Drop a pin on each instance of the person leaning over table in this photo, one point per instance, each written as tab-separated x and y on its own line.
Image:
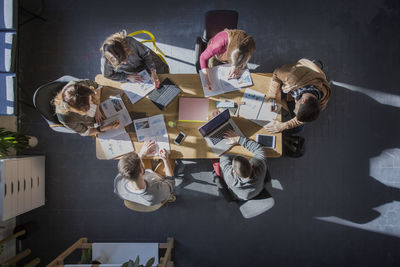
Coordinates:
307	85
228	46
123	57
243	177
77	108
137	184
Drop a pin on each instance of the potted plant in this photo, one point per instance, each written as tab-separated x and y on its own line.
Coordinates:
130	263
18	141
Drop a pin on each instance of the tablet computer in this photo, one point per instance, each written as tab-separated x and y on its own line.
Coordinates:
266	140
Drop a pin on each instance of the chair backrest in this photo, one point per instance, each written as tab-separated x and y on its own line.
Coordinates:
142	208
218	20
45	94
153	41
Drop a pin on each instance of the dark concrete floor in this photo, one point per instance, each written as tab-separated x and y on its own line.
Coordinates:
359	43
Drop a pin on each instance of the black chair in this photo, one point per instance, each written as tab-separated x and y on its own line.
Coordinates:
215	21
42	102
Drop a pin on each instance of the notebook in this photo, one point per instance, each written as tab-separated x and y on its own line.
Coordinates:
165	94
193	109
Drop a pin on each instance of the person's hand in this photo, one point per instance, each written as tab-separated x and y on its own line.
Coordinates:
99	117
231	137
164	154
134	78
148	148
215	112
233	73
154	78
114	124
205	72
274	127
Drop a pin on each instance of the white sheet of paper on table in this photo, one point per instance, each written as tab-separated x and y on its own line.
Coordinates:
137	90
253	101
153	128
116	146
218	76
115	106
114	131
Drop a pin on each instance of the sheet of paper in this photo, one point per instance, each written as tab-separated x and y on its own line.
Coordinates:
117	146
137	90
220	83
266	114
253	101
115	106
114	131
153	128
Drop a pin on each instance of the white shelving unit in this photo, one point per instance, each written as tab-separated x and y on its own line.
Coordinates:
22	185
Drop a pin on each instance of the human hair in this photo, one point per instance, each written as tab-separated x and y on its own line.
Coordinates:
74	96
242	166
240	48
116	49
309	111
129	166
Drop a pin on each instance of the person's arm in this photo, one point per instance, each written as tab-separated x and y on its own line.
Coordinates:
225	163
108	71
253	147
275	86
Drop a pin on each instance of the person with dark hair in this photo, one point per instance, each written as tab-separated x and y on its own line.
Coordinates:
228	46
123	57
307	90
243	177
77	107
139	184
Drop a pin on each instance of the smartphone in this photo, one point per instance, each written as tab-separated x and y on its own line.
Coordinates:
266	140
178	140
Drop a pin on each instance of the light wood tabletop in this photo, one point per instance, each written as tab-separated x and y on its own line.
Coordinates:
194	146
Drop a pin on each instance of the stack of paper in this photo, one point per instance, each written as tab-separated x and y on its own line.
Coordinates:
153	129
137	90
221	84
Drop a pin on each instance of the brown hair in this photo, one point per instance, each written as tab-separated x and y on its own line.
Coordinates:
116	49
74	96
309	111
242	166
129	166
240	48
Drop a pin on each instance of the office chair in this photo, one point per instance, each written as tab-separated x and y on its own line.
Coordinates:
153	41
42	102
215	21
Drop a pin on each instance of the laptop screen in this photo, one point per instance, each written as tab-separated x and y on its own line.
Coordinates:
214	123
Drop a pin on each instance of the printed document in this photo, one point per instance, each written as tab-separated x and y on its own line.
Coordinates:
221	84
137	90
153	129
114	106
117	146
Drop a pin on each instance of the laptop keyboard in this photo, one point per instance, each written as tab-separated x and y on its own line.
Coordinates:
166	94
218	136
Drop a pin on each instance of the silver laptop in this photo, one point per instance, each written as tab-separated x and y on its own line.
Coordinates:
214	131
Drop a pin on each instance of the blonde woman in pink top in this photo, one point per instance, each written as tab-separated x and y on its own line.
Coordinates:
229	46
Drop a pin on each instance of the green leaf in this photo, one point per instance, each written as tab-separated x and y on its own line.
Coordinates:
131	263
137	262
125	264
150	262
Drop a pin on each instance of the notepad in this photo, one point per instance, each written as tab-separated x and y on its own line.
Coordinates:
192	109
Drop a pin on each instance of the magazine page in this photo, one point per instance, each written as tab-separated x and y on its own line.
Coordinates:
117	146
115	106
114	131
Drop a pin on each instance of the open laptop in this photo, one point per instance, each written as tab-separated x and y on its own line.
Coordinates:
165	94
214	131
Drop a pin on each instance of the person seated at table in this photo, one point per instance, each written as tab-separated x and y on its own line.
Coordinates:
123	57
77	107
305	84
139	184
228	46
243	177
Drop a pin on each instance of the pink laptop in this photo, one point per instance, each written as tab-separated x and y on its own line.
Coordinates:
193	109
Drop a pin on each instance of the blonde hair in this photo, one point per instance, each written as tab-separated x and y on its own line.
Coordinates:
116	49
240	48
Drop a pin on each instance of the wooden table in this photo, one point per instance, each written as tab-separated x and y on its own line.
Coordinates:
194	145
